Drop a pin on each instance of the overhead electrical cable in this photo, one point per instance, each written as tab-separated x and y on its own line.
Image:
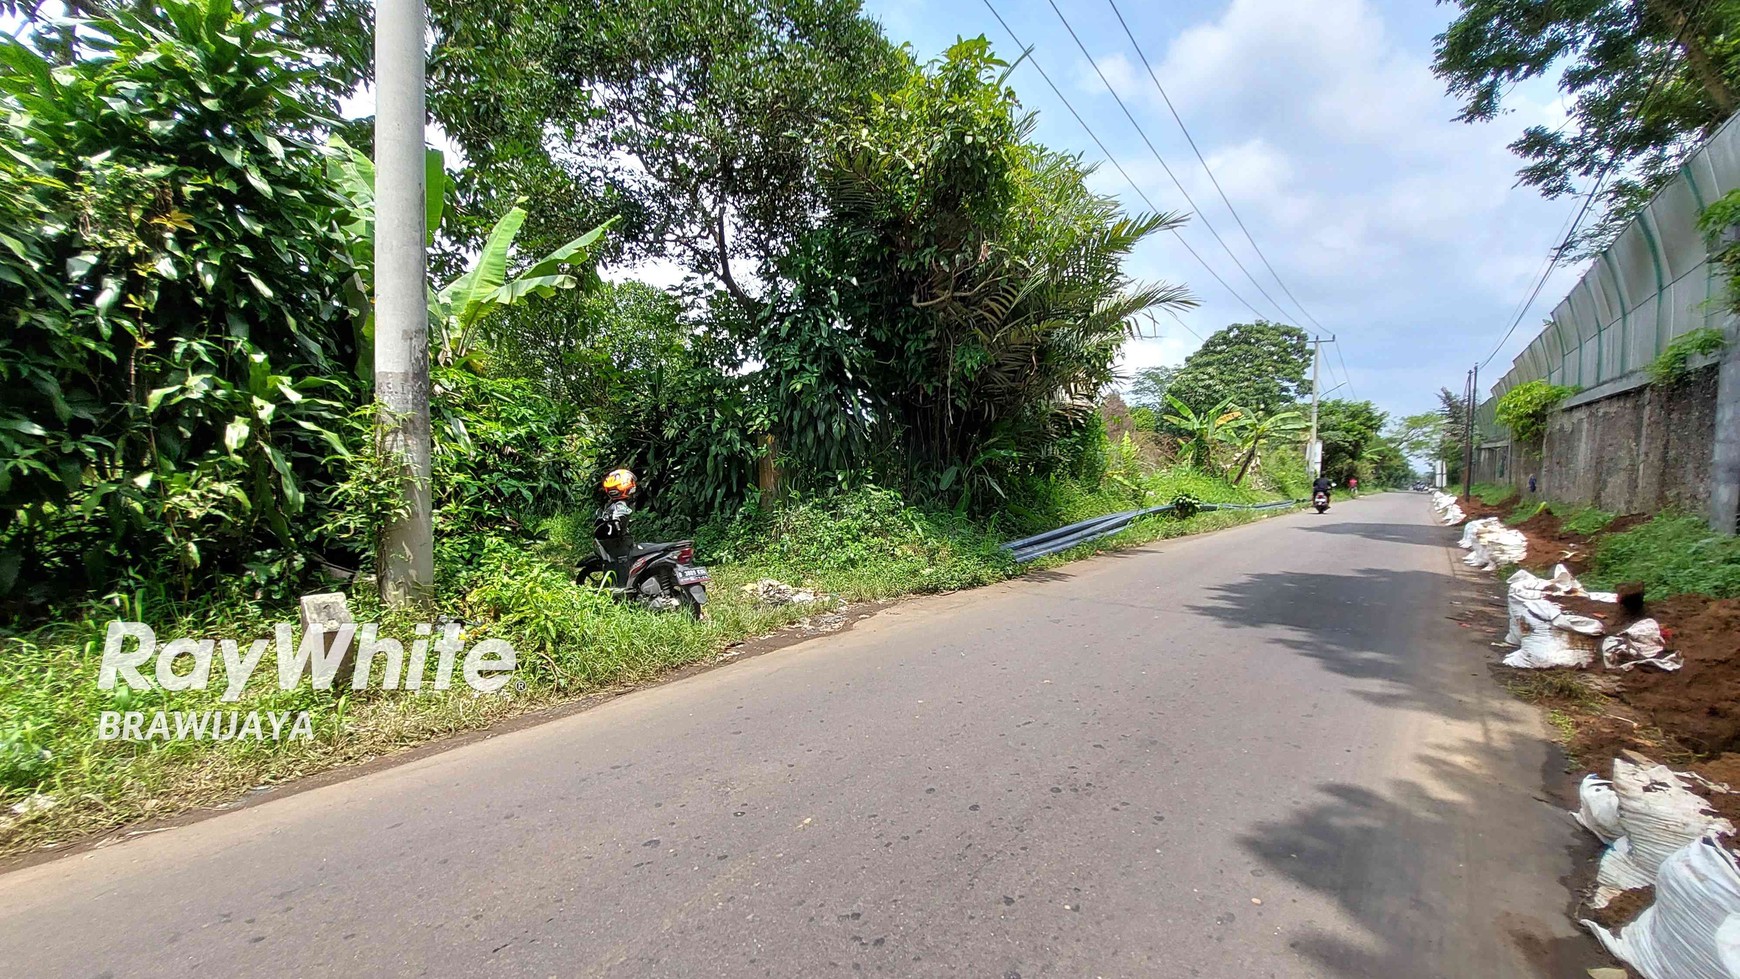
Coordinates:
1155	78
1114	161
1162	160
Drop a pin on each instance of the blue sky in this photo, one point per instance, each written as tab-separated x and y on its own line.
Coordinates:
1397	228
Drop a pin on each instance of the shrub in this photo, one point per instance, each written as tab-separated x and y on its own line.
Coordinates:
1523	409
1672	366
178	352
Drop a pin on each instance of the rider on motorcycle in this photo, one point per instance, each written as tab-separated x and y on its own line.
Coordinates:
1322	485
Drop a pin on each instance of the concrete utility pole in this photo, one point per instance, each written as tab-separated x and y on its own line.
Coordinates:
407	546
1312	449
1468	433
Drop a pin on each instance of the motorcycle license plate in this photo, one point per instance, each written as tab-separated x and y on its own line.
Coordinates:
692	575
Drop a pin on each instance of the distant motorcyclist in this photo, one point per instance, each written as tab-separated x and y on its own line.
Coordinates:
1322	485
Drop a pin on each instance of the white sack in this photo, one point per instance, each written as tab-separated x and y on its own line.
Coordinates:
1452	516
1659	814
1473	527
1696	891
1618	872
1728	944
1598	808
1491	544
1525	587
1549	637
1639	644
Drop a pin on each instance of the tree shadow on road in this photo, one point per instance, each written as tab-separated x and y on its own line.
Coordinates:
1456	870
1368	624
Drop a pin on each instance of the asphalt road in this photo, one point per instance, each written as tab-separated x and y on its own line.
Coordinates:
1262	752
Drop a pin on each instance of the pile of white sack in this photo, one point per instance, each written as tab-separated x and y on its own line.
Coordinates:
1490	544
1547	636
1449	511
1660	833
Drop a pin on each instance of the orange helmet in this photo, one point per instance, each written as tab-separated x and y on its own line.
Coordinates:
619	485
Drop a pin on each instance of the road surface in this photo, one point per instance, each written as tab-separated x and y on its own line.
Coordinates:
1262	752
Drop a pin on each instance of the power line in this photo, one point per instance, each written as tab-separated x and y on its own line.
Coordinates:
1206	168
1114	162
1345	376
1186	326
1162	160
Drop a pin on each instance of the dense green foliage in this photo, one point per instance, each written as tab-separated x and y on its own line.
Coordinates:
1260	367
1524	408
965	299
178	355
1453	408
1352	437
698	122
1646	82
1202	433
1673	366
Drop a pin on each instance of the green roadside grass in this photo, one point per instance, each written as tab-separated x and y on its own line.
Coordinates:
1585	520
60	783
1492	494
1673	553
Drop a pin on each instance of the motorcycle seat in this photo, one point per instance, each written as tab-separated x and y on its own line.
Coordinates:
641	550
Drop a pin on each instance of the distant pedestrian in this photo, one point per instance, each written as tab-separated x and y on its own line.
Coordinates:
1531	484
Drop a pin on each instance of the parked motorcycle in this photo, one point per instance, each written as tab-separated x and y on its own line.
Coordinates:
662	576
1320	500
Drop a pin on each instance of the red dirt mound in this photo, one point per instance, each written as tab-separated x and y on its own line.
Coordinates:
1475	509
1699	705
1624	908
1550	543
1723	770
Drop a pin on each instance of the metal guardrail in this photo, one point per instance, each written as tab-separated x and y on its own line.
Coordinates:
1063	538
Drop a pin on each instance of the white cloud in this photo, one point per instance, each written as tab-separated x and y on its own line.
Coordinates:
1118	72
1398	228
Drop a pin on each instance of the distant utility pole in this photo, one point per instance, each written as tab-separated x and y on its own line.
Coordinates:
1468	432
1312	449
407	547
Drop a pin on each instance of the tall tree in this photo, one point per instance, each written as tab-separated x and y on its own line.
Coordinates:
1349	431
1148	388
966	277
1647	81
1453	409
1262	367
696	120
1419	435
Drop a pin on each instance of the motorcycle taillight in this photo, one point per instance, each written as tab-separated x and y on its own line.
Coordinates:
686	556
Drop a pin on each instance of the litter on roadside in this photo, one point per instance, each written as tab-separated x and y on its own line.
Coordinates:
771	591
1639	645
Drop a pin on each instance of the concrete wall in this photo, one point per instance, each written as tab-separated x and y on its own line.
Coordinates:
1638	448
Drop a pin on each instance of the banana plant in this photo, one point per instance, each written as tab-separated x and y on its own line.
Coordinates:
460	308
354	173
1254	430
1202	431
